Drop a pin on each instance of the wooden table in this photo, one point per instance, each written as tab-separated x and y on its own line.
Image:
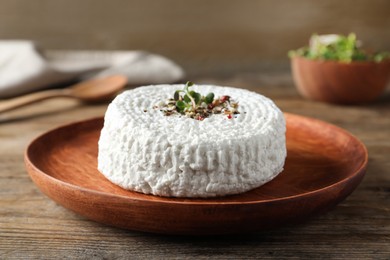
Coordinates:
33	226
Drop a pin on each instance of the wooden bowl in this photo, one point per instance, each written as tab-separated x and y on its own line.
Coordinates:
324	165
341	83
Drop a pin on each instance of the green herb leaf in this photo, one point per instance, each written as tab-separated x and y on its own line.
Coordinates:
381	56
187	86
197	97
180	106
209	98
176	96
187	99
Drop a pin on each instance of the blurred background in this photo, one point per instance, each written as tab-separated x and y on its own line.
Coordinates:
212	35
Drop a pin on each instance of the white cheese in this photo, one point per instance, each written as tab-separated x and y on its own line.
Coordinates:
143	150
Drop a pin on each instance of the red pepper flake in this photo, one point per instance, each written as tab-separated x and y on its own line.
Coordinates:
230	116
224	98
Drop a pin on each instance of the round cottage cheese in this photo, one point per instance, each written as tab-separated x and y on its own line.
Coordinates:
143	150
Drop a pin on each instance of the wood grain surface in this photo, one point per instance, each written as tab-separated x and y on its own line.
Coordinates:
33	226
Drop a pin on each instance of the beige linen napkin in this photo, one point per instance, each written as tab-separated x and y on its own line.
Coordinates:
25	68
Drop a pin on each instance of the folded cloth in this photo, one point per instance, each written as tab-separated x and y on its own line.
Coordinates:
25	68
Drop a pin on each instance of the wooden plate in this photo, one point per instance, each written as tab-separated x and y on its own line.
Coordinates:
324	165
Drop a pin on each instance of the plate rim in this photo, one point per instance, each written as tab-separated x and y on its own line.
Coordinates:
360	172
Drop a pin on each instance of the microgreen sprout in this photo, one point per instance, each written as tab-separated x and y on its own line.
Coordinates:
192	104
191	99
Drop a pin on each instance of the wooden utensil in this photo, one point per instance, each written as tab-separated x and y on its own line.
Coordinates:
90	91
324	165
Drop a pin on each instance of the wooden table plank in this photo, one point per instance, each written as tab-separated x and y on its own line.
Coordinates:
32	226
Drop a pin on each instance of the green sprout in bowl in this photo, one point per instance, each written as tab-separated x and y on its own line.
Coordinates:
337	48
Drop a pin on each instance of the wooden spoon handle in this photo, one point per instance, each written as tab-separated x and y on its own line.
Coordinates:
17	102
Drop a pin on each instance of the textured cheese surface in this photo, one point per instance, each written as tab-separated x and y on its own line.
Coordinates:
143	150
